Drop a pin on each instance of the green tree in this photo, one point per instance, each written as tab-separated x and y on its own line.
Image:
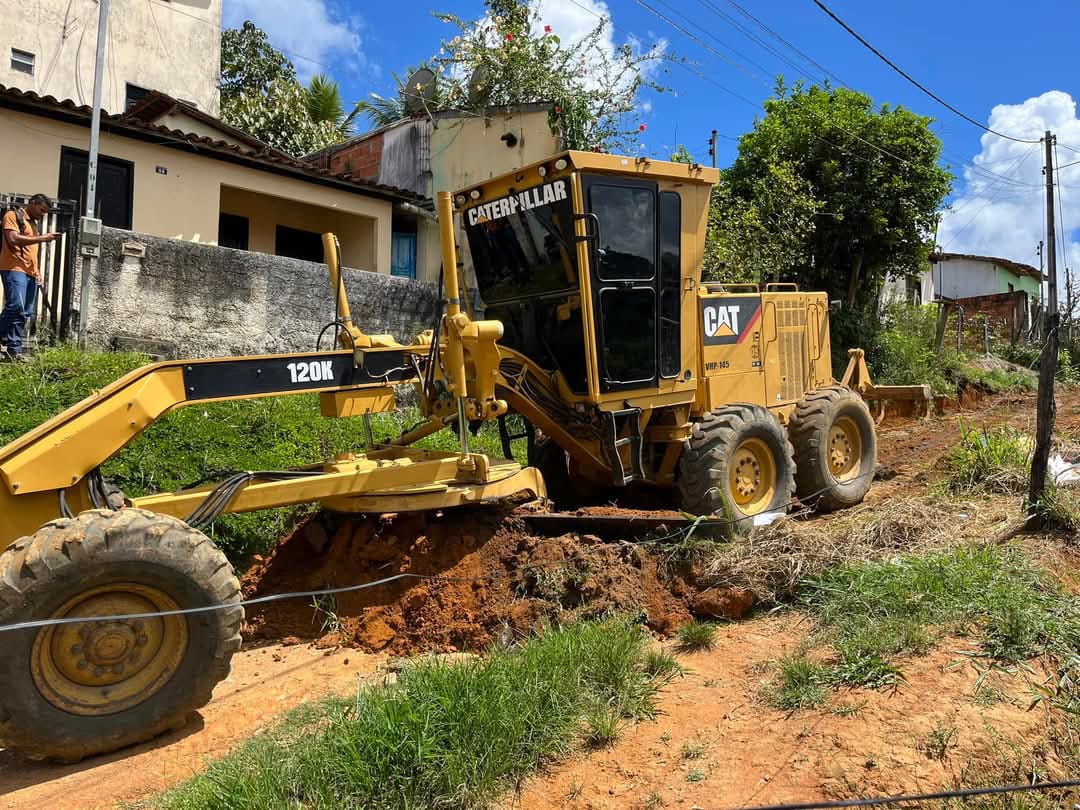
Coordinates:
874	174
763	236
261	95
280	117
249	63
509	57
325	105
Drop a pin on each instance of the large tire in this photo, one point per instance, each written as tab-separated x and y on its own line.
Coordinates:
737	463
835	448
78	689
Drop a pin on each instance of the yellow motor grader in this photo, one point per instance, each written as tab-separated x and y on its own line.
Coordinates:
118	616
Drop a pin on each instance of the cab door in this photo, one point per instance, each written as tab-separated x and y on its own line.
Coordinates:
624	274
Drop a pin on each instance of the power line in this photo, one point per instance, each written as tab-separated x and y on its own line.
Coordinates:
907	76
775	35
826	73
1016	165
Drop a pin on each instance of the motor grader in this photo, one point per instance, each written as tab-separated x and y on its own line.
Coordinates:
118	616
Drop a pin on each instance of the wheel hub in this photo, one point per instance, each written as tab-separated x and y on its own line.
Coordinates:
752	476
106	666
844	449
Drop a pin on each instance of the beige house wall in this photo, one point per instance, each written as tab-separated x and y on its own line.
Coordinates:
154	44
357	234
183	203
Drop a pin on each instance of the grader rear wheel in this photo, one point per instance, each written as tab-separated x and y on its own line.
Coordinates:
77	688
737	464
835	448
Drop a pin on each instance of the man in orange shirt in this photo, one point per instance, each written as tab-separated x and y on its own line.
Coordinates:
19	272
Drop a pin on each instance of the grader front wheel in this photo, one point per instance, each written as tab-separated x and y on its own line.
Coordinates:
77	688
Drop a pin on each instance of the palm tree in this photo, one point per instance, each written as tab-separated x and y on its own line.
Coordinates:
325	105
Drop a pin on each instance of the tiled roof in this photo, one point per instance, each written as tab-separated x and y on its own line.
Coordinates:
253	152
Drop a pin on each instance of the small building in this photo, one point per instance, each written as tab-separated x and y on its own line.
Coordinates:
169	169
445	151
952	276
49	48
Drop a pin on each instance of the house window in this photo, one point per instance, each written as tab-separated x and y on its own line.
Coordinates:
298	244
23	61
233	231
1012	288
133	95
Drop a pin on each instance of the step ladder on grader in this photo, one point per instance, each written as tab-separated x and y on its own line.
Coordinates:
598	331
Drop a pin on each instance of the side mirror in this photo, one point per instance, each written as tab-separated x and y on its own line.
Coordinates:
835	305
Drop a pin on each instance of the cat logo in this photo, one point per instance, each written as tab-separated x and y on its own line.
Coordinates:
729	319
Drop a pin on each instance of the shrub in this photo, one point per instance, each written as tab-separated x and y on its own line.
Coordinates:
991	460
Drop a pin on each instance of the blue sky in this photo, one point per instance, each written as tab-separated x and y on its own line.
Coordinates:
993	60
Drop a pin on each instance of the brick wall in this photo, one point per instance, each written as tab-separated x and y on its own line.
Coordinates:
1007	314
361	159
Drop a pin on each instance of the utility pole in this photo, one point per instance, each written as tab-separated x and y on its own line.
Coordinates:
90	225
1048	361
712	148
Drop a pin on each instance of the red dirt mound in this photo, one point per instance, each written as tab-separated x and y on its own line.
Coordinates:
492	579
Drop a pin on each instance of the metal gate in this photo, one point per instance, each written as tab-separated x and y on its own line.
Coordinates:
52	320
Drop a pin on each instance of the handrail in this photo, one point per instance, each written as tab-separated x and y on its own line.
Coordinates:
735	286
776	286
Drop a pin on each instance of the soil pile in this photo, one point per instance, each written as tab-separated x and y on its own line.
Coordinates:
492	580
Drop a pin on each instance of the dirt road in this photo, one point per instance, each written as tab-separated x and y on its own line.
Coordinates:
748	753
265	682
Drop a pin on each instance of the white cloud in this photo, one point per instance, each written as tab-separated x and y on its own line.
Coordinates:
1007	218
573	21
311	35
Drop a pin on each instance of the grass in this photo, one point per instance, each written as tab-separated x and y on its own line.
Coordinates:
993	460
201	441
800	684
939	741
444	734
870	614
695	635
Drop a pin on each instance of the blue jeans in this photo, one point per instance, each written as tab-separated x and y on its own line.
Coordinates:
20	297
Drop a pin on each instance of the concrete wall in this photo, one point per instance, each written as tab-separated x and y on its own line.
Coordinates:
154	44
186	299
183	203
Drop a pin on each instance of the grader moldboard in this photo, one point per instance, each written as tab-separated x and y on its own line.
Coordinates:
598	332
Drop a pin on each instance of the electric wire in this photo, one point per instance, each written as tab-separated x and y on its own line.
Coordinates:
907	76
1016	165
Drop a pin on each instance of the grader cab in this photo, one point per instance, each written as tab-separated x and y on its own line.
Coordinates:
118	615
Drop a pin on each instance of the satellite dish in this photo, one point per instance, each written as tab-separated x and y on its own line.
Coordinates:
419	91
477	84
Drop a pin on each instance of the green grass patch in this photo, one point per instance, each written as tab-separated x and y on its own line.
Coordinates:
695	635
800	684
870	614
994	460
201	442
444	734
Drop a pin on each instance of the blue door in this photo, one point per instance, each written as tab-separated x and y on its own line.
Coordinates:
403	255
